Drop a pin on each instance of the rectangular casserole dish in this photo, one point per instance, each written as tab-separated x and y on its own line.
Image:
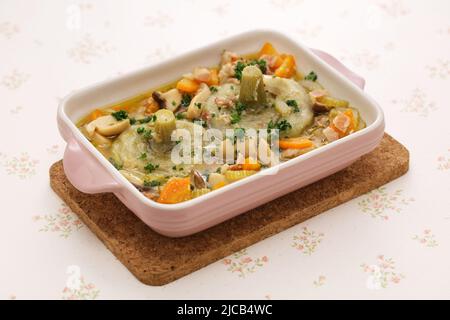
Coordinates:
90	172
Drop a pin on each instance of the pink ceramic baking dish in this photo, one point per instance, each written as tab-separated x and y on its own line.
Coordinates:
90	172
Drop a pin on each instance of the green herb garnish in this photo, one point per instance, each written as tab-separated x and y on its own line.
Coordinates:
140	130
120	115
143	156
293	104
213	89
150	167
186	100
147	119
311	76
261	64
282	125
235	117
180	115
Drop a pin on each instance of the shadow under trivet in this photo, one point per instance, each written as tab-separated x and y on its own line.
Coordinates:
158	260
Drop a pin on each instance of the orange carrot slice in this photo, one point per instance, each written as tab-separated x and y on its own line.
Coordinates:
176	190
287	68
187	85
251	164
268	49
295	143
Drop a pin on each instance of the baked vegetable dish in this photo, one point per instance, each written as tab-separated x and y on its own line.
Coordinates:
146	136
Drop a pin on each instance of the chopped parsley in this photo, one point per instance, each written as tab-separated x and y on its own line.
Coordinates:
180	115
143	156
174	103
240	107
186	100
146	133
293	104
150	167
140	130
282	125
120	115
152	183
311	76
261	64
132	121
235	117
148	119
213	89
198	105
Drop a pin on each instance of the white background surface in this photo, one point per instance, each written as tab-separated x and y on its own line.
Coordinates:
402	48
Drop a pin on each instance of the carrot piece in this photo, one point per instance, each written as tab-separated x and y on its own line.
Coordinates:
187	85
251	164
219	185
287	68
176	190
214	78
268	49
97	113
295	143
349	113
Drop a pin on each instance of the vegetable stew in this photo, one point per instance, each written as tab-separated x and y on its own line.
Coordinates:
245	93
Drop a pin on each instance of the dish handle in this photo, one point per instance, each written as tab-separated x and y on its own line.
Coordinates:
341	68
84	172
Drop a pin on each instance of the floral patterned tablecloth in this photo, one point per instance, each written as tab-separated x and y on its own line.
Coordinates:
391	243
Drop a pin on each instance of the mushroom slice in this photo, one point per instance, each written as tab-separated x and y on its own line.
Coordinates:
197	179
100	140
109	126
170	100
195	108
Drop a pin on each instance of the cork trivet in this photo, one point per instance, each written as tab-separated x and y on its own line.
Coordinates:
156	260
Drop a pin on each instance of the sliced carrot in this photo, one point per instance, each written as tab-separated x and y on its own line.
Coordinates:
251	164
295	143
214	78
176	190
353	124
268	49
97	113
287	68
219	185
187	85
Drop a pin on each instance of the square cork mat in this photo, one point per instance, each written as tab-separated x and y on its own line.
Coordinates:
157	260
